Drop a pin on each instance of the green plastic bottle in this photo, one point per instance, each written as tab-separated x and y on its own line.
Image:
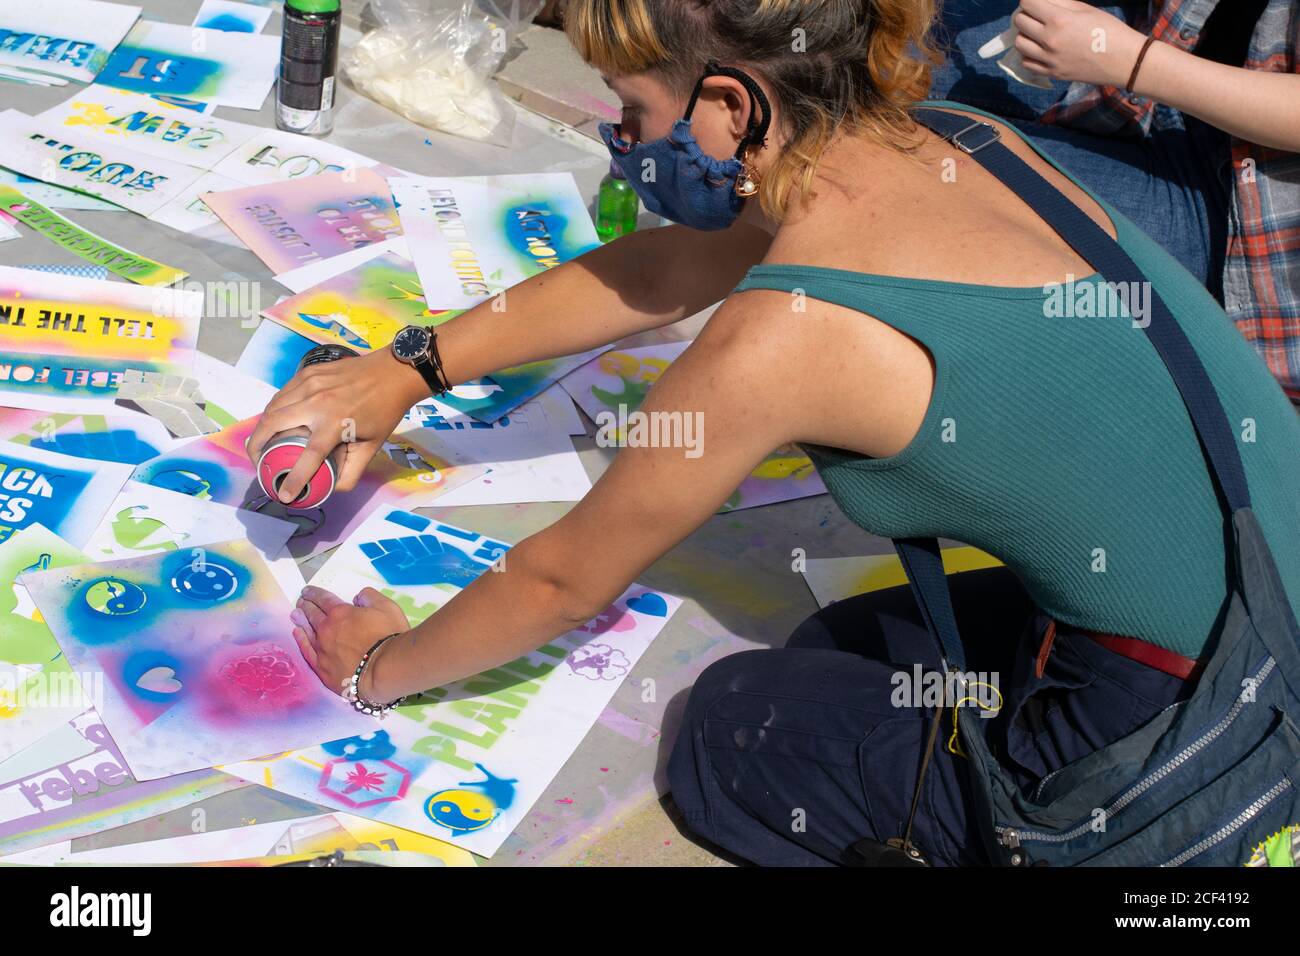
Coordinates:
616	206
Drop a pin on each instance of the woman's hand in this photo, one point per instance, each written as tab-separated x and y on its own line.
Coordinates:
356	402
333	635
1068	40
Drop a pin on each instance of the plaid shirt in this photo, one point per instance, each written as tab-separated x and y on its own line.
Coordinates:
1261	273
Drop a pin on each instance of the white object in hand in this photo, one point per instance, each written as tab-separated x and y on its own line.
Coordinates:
1013	64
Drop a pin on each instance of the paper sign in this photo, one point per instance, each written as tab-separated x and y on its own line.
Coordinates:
474	236
273	353
54	197
232	17
71	38
291	224
531	456
199	663
466	761
122	436
148	125
189	213
86	244
74	782
67	495
362	308
144	519
38	690
65	343
229	395
272	155
68	157
229	69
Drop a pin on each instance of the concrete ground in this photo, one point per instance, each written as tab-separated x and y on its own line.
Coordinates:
606	805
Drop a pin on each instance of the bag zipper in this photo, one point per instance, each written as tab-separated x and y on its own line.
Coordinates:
1151	779
1233	825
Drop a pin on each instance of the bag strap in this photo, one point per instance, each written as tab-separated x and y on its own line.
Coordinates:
921	556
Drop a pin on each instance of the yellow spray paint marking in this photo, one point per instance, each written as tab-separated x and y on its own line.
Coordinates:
789	466
1281	849
618	363
887	572
8	705
92	114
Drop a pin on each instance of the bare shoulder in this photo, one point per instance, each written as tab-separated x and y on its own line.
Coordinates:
1011	137
835	375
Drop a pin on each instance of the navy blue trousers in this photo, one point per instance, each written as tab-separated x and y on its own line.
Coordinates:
789	756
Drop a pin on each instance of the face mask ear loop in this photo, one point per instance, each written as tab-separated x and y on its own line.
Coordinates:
756	130
756	133
709	71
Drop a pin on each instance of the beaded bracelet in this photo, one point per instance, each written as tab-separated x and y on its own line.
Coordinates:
351	684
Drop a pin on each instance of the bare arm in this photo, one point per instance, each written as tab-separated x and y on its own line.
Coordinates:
640	281
1258	107
649	500
643	280
1069	40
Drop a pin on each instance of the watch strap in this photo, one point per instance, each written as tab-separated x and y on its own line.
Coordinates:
430	371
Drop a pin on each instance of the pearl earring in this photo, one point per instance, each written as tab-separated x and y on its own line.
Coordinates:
747	181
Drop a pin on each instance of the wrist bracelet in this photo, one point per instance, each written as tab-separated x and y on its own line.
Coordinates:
353	694
1137	65
437	364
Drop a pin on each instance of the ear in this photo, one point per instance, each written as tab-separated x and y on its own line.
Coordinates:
728	96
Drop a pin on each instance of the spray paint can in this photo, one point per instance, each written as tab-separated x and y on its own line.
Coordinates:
309	53
285	448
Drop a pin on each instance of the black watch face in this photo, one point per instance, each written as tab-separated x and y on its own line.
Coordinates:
411	343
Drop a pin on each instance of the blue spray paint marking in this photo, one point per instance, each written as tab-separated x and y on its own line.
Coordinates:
376	746
190	476
334	327
141	663
421	559
30	493
228	22
466	810
431	419
536	233
198	581
156	71
206	582
113	597
107	608
458	532
408	520
120	445
649	603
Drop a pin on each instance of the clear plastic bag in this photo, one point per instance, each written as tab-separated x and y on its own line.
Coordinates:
432	61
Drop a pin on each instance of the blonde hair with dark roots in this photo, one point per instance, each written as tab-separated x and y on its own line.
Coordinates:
858	65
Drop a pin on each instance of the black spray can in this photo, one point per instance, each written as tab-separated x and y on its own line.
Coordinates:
309	54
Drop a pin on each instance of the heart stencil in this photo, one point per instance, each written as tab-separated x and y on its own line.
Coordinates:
159	680
649	603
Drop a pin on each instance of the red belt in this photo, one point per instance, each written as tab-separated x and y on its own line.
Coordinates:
1162	659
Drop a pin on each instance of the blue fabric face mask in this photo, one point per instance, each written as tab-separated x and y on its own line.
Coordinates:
678	180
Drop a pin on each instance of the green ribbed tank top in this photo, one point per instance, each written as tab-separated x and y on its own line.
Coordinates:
1059	444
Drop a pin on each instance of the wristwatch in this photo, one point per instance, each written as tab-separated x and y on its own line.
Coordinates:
417	346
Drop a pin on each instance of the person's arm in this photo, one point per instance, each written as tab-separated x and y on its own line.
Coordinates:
640	281
1069	40
743	379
